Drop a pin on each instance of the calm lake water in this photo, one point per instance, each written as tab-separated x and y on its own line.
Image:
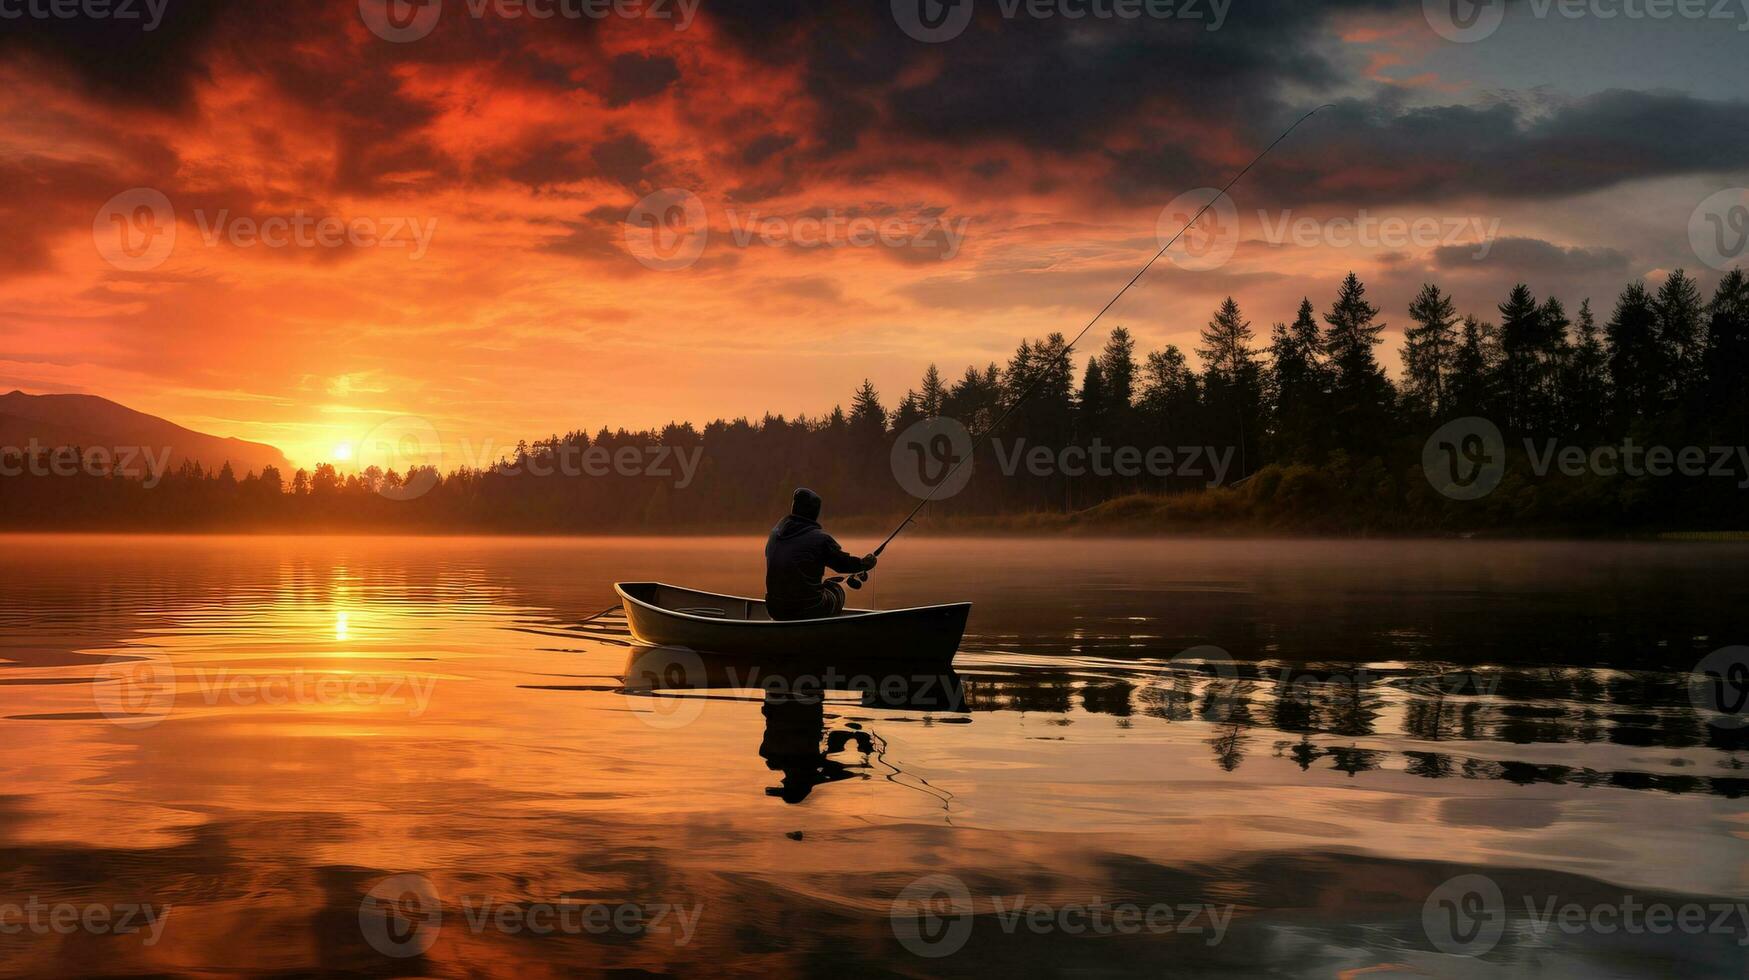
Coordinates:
1236	758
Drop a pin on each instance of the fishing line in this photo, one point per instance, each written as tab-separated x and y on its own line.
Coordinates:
1102	311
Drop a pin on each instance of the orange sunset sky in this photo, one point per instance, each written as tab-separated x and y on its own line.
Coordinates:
522	146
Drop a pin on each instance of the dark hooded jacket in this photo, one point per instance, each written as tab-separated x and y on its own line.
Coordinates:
797	555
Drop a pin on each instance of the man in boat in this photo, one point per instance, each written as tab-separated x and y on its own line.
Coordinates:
796	558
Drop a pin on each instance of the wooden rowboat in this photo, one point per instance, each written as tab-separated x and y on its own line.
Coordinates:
667	615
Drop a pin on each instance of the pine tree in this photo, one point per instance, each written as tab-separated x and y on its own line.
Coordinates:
909	412
1118	363
1725	364
1470	389
1311	338
1428	349
1227	341
1233	381
1298	388
868	420
1587	379
934	393
1094	405
1681	314
1042	373
1636	363
1169	398
1520	347
973	400
1360	394
1551	393
1020	374
1093	410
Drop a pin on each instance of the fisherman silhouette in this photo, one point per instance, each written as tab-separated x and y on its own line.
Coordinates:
796	558
794	726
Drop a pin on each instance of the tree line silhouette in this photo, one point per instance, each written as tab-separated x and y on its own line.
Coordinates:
1319	437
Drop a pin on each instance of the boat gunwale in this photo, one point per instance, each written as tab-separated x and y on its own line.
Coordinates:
619	587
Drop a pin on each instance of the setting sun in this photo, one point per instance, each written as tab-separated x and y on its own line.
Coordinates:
343	452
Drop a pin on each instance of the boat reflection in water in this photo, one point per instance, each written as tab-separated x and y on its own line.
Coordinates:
803	741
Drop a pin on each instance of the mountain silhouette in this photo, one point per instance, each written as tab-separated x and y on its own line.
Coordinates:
87	420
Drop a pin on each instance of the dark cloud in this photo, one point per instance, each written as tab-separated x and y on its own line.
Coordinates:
991	169
849	53
1175	98
1155	106
1529	257
1379	151
1047	83
542	164
318	60
758	190
1067	91
637	76
1131	110
623	159
763	147
117	58
600	233
46	196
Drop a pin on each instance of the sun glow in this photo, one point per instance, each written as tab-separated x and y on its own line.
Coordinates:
343	452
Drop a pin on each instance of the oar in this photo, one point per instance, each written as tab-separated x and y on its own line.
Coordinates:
855	581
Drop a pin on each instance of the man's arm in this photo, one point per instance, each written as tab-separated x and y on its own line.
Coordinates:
841	561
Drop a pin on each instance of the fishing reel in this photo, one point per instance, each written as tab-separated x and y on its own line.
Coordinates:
855	581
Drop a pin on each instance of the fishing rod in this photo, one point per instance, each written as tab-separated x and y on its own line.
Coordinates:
1102	311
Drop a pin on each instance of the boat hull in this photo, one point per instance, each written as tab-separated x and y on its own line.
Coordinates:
667	615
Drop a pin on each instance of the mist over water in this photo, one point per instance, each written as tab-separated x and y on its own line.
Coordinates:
1293	743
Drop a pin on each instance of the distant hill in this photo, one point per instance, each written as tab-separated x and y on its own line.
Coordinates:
87	420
